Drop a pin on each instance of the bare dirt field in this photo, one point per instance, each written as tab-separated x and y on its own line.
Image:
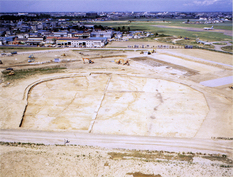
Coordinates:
38	160
131	106
158	95
126	44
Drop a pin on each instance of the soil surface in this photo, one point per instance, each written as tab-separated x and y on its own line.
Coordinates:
36	160
157	95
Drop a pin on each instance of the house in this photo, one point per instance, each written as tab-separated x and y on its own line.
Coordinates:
23	35
34	27
44	33
35	40
34	34
9	39
51	40
18	41
89	26
40	26
60	34
81	35
3	40
106	34
118	35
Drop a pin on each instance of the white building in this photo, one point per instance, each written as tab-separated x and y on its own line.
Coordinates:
60	34
76	42
106	34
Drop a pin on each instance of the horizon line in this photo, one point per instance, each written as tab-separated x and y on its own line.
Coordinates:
114	11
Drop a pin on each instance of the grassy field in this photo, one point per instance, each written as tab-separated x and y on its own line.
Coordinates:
167	22
220	43
20	74
8	49
228	49
179	22
148	26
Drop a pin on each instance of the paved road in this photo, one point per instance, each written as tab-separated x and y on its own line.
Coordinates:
117	141
219	47
218	82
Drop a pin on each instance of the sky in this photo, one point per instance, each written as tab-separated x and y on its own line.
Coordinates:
116	5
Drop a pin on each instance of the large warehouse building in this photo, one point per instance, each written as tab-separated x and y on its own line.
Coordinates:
77	42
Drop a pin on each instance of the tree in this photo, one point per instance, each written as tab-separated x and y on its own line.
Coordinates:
54	40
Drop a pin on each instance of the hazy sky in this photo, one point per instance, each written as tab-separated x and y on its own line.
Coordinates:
114	5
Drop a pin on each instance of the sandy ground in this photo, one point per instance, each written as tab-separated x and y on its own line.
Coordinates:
150	106
203	54
157	95
32	160
152	96
126	44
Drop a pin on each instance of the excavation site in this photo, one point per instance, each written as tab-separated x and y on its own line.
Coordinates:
119	92
116	104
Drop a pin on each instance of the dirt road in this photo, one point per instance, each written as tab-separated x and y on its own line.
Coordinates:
121	142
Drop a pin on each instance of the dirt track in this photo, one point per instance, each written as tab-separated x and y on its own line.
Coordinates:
212	146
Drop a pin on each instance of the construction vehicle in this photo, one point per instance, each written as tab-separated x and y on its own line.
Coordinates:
8	71
11	73
126	62
63	55
122	61
31	58
152	51
89	60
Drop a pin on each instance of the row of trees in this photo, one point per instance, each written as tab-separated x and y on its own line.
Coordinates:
122	29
